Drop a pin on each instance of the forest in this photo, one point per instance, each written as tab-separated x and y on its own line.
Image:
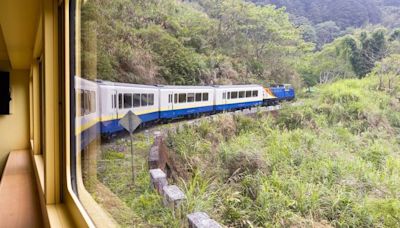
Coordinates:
233	41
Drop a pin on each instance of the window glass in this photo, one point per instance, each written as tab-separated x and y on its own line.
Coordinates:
92	101
150	99
136	100
182	98
248	94
127	100
255	93
175	98
224	95
198	97
205	96
241	94
120	101
234	95
79	98
144	99
190	97
229	95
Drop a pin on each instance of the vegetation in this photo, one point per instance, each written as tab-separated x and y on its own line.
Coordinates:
202	42
323	20
349	56
332	161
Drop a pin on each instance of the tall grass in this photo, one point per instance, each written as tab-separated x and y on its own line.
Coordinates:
333	161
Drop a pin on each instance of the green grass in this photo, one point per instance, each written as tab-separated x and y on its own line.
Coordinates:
333	161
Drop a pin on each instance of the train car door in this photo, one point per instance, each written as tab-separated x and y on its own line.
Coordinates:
170	105
114	103
225	97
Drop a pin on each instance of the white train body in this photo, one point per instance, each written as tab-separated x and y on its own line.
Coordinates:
179	101
230	97
101	104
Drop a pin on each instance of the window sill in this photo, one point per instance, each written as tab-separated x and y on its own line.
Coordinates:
56	215
59	216
39	169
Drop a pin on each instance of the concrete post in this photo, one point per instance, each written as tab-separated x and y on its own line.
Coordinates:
173	198
154	157
201	220
158	180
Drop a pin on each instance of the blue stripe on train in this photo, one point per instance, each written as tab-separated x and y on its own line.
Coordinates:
112	126
227	107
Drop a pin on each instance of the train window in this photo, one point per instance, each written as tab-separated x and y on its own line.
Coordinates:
255	93
144	99
115	101
169	98
182	98
234	95
136	100
127	100
92	101
248	94
224	95
175	98
190	97
229	95
84	102
150	99
205	96
79	97
120	101
112	100
241	94
198	97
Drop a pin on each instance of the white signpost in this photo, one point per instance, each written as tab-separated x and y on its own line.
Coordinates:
130	122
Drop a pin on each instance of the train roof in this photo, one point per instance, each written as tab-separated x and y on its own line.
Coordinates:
108	83
184	87
237	86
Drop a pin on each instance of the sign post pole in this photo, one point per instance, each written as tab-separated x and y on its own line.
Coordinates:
130	122
133	160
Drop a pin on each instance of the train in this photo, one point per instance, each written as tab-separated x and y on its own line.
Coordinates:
101	104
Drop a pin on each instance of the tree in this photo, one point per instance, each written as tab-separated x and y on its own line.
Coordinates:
373	48
388	70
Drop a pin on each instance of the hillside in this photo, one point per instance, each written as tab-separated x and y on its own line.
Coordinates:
331	161
201	42
345	13
324	20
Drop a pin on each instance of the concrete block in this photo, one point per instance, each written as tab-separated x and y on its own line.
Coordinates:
154	157
173	198
201	220
158	180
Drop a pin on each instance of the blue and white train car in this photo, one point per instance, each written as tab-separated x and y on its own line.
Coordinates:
234	97
118	98
181	101
87	110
